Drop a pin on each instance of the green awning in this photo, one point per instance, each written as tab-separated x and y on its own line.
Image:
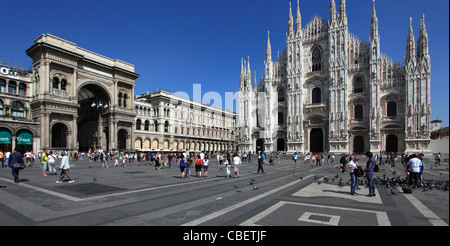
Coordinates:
24	138
5	136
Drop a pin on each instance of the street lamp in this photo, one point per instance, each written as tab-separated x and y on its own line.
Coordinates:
101	107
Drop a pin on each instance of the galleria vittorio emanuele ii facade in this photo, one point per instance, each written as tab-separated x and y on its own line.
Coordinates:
330	91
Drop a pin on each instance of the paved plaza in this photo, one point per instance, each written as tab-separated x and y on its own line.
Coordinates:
286	195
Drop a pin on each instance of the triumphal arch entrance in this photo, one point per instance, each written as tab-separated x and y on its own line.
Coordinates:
82	100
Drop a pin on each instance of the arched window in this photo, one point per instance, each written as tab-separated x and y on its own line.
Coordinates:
63	87
55	85
125	97
359	111
146	125
358	85
316	60
22	89
1	108
17	109
12	86
166	126
316	95
138	124
2	85
119	100
391	109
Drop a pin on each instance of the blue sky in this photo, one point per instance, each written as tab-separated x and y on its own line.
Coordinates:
177	43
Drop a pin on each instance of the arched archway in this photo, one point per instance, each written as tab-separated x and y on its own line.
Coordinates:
358	144
59	136
391	143
88	118
259	145
281	144
316	140
122	139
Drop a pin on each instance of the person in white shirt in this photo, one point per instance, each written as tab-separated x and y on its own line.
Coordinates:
236	163
352	165
64	167
414	165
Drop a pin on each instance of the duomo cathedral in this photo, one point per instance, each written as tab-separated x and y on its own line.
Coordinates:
330	91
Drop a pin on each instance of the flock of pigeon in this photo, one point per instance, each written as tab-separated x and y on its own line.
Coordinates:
384	181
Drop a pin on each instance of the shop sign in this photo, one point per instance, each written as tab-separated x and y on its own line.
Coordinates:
5	137
9	72
25	138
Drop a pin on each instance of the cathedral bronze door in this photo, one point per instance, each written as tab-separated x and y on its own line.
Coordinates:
316	140
259	145
358	144
391	143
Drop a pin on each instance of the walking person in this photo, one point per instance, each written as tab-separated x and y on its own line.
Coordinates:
104	159
64	167
188	166
182	164
2	158
198	166
260	163
205	166
16	163
370	173
352	166
44	160
236	163
51	163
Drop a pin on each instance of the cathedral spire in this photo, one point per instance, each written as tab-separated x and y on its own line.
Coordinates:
332	11
290	22
298	21
269	48
374	24
241	84
422	43
343	12
410	43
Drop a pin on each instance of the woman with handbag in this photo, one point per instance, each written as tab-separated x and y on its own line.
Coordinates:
369	170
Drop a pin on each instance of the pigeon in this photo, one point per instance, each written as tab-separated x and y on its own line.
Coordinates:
95	179
252	179
301	178
237	188
255	188
393	192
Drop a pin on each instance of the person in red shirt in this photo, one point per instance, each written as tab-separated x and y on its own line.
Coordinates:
198	166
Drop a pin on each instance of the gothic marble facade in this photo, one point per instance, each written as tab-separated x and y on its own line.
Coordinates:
330	91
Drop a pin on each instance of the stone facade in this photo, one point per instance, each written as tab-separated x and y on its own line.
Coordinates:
170	123
330	91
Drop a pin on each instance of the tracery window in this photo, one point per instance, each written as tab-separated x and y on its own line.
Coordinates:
316	60
316	95
358	85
